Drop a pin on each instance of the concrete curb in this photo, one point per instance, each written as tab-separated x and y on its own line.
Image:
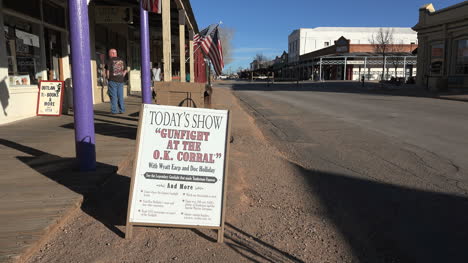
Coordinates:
50	230
71	209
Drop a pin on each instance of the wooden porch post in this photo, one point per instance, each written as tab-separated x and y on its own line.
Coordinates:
320	70
344	70
404	67
166	35
192	56
182	44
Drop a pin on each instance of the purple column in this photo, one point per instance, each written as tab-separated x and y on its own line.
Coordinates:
82	90
145	57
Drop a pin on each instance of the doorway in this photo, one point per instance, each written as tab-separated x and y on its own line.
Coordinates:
53	49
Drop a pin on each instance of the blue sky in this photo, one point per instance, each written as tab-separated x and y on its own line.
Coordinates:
263	26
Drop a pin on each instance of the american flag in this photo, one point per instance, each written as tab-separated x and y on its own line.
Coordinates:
152	5
208	40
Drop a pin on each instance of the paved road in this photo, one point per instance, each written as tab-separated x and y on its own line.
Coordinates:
392	170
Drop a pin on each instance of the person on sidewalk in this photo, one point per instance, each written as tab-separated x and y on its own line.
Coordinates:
156	72
115	72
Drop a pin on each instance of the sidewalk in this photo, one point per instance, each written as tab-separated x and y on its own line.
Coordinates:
39	186
419	91
407	90
453	96
260	226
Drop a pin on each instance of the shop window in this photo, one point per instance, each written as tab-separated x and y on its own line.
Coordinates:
136	62
101	53
23	51
101	35
31	8
100	64
437	58
122	47
461	66
53	41
54	14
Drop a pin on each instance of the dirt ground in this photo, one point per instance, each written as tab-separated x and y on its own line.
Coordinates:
272	215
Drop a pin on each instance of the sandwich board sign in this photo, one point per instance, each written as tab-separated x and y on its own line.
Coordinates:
179	171
50	98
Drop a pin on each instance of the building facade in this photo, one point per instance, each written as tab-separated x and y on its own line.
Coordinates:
255	64
306	40
35	46
443	49
346	61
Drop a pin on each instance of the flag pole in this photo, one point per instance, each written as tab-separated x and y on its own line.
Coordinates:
220	22
193	53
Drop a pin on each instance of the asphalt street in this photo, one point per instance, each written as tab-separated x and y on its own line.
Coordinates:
391	169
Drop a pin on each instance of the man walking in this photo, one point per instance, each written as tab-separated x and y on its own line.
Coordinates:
115	72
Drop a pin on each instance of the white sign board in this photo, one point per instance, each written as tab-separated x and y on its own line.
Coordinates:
50	97
28	39
355	62
179	170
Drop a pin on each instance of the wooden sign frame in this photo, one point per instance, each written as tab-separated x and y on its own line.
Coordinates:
62	91
130	225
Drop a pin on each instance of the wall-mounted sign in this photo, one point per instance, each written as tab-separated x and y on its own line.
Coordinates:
50	97
28	39
179	168
113	15
355	62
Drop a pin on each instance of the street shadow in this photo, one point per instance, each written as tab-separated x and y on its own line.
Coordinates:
203	235
111	128
115	122
249	246
389	223
135	114
4	96
115	116
352	87
133	103
104	191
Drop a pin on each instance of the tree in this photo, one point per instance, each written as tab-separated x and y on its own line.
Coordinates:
382	41
397	48
259	61
226	34
260	58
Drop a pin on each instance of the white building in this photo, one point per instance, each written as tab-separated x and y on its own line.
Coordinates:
305	40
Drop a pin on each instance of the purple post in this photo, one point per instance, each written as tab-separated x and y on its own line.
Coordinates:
82	90
145	57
